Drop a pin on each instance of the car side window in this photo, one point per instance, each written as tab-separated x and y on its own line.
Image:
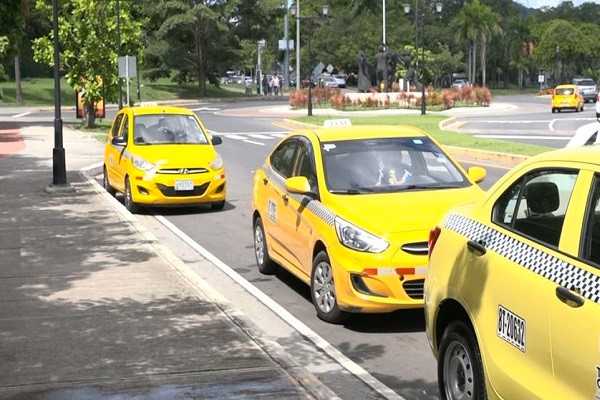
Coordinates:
125	128
306	165
536	205
116	126
282	159
590	245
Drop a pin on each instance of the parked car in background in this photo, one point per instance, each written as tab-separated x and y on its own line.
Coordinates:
328	81
458	83
598	106
341	80
567	97
587	88
348	210
512	305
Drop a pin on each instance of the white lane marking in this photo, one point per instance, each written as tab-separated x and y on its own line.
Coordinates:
258	136
206	109
524	137
239	137
295	323
21	115
280	135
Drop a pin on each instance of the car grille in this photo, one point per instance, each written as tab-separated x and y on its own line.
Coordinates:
418	248
182	171
169	191
414	289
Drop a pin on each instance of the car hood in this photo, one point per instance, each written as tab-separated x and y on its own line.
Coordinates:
177	155
389	213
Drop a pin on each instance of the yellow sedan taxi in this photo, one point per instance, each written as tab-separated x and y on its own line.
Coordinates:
348	210
163	156
567	97
512	300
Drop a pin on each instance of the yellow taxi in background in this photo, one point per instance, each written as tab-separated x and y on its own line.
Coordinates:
348	211
163	156
512	300
567	97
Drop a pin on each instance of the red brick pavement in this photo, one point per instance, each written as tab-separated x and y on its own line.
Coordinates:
11	141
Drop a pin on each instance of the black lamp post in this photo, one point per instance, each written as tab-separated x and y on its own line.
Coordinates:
418	38
59	170
296	13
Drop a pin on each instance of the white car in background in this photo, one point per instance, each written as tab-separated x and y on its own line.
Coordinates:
341	80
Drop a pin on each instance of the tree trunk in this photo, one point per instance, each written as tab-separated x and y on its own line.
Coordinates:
200	51
474	65
89	114
483	63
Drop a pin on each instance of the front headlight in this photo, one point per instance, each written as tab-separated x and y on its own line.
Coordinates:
142	164
355	238
217	162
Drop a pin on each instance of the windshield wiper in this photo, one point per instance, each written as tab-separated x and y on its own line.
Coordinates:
351	191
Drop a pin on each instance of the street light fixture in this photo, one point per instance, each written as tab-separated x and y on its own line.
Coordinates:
295	9
418	38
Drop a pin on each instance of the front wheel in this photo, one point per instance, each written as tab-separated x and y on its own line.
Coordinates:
460	369
130	205
322	290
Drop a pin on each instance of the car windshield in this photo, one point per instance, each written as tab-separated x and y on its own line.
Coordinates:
388	165
586	82
168	129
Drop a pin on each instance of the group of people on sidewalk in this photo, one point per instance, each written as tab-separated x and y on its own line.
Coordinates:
272	85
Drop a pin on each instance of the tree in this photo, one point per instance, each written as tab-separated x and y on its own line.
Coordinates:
465	24
89	47
488	28
15	13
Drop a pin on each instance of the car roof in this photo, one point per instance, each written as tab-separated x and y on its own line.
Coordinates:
156	109
330	134
566	86
587	154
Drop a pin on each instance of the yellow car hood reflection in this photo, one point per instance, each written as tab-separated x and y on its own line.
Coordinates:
183	155
385	213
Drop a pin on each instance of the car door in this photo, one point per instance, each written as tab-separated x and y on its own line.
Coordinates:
281	216
113	153
511	302
299	230
122	157
575	308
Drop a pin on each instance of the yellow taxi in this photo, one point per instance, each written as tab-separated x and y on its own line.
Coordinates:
512	299
163	156
348	211
567	97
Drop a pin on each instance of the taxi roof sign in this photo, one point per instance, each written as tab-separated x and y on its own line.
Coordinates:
337	122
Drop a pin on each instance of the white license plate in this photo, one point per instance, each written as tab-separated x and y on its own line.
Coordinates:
187	184
511	328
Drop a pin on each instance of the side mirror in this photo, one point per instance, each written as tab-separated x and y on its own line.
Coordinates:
297	184
478	174
119	141
216	140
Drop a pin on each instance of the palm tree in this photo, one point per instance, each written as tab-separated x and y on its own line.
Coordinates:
518	36
465	24
488	27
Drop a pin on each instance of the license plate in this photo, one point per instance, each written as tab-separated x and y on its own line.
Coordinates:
187	184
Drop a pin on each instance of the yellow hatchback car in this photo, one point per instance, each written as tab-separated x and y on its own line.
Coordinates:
163	156
348	210
567	97
512	300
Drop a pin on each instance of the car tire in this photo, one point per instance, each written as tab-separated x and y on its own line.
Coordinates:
106	183
130	205
553	110
218	206
460	368
322	291
265	265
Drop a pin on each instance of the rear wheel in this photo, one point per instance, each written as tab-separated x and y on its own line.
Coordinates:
460	369
130	205
106	184
322	290
265	264
553	110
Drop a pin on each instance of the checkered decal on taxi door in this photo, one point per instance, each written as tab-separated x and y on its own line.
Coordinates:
544	264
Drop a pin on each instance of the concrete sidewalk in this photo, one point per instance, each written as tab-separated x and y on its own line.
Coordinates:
92	306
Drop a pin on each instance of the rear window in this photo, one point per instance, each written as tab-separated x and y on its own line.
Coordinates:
584	82
564	91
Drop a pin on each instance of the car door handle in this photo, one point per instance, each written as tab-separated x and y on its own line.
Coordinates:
569	297
265	180
477	247
285	198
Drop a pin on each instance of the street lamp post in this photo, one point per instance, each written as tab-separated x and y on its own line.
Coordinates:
296	12
261	44
418	38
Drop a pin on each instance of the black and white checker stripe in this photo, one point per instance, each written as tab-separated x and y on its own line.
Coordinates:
544	264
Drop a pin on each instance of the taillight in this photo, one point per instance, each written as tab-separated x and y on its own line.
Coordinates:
434	234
